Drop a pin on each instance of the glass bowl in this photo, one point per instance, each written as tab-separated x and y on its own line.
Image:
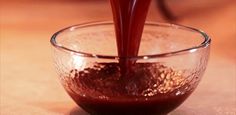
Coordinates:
170	64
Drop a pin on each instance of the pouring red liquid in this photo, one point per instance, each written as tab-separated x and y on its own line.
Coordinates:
127	88
129	18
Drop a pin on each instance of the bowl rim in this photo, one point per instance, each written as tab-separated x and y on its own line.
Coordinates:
206	42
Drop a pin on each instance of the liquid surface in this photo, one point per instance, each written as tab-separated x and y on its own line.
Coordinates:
153	89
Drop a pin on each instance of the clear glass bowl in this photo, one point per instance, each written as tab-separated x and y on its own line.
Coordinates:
170	64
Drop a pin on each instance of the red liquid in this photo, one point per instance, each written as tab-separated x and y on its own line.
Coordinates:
129	18
100	91
127	88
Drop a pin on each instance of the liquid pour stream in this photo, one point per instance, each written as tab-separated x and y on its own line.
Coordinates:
129	18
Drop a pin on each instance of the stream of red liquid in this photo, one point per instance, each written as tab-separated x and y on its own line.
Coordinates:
129	18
